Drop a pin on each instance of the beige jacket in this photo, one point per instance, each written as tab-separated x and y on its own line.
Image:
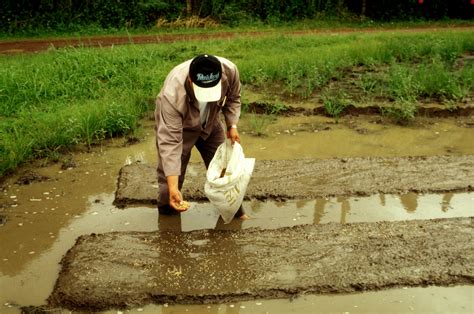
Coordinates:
177	112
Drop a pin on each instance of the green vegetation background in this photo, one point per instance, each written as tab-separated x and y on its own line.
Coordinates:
51	101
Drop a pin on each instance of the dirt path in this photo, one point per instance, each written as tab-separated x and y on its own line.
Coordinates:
36	45
117	270
310	178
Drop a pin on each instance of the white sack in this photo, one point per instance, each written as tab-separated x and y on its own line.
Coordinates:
227	193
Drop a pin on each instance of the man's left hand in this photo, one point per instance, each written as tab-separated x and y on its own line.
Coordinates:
233	134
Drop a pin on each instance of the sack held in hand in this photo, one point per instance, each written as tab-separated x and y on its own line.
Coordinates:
228	176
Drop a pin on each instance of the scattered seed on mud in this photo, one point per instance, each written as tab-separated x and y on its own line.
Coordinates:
20	224
31	252
35	200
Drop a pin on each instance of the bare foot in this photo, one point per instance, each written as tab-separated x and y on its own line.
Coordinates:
244	217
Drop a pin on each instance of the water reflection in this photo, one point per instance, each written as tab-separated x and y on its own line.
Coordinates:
345	208
319	206
409	202
382	199
445	204
361	209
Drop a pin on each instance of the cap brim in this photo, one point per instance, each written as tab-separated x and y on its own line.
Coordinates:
208	94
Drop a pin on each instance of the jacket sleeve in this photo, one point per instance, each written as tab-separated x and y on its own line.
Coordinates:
169	129
231	108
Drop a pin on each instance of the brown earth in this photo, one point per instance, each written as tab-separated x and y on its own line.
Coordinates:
313	178
126	269
36	45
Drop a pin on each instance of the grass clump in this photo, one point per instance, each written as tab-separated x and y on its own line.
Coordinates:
259	123
401	112
335	102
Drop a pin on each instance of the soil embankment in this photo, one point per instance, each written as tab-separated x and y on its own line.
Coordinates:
313	178
464	110
124	269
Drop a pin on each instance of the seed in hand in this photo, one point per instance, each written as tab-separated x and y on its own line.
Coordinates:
182	206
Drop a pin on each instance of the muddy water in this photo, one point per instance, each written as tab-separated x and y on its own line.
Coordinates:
319	137
45	218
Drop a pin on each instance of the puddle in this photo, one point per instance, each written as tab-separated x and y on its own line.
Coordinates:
320	137
45	218
272	215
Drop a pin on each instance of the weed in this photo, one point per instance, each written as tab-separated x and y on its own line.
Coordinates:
335	103
402	85
278	108
401	112
368	84
436	80
259	123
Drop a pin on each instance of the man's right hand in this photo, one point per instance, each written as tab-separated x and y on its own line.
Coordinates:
176	199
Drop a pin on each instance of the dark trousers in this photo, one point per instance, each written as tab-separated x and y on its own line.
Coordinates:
207	148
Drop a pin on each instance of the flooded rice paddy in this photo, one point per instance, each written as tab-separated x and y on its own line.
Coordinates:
43	219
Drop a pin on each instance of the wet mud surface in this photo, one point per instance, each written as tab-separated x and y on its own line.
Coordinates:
313	178
126	269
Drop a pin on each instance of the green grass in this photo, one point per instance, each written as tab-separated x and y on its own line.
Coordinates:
54	100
